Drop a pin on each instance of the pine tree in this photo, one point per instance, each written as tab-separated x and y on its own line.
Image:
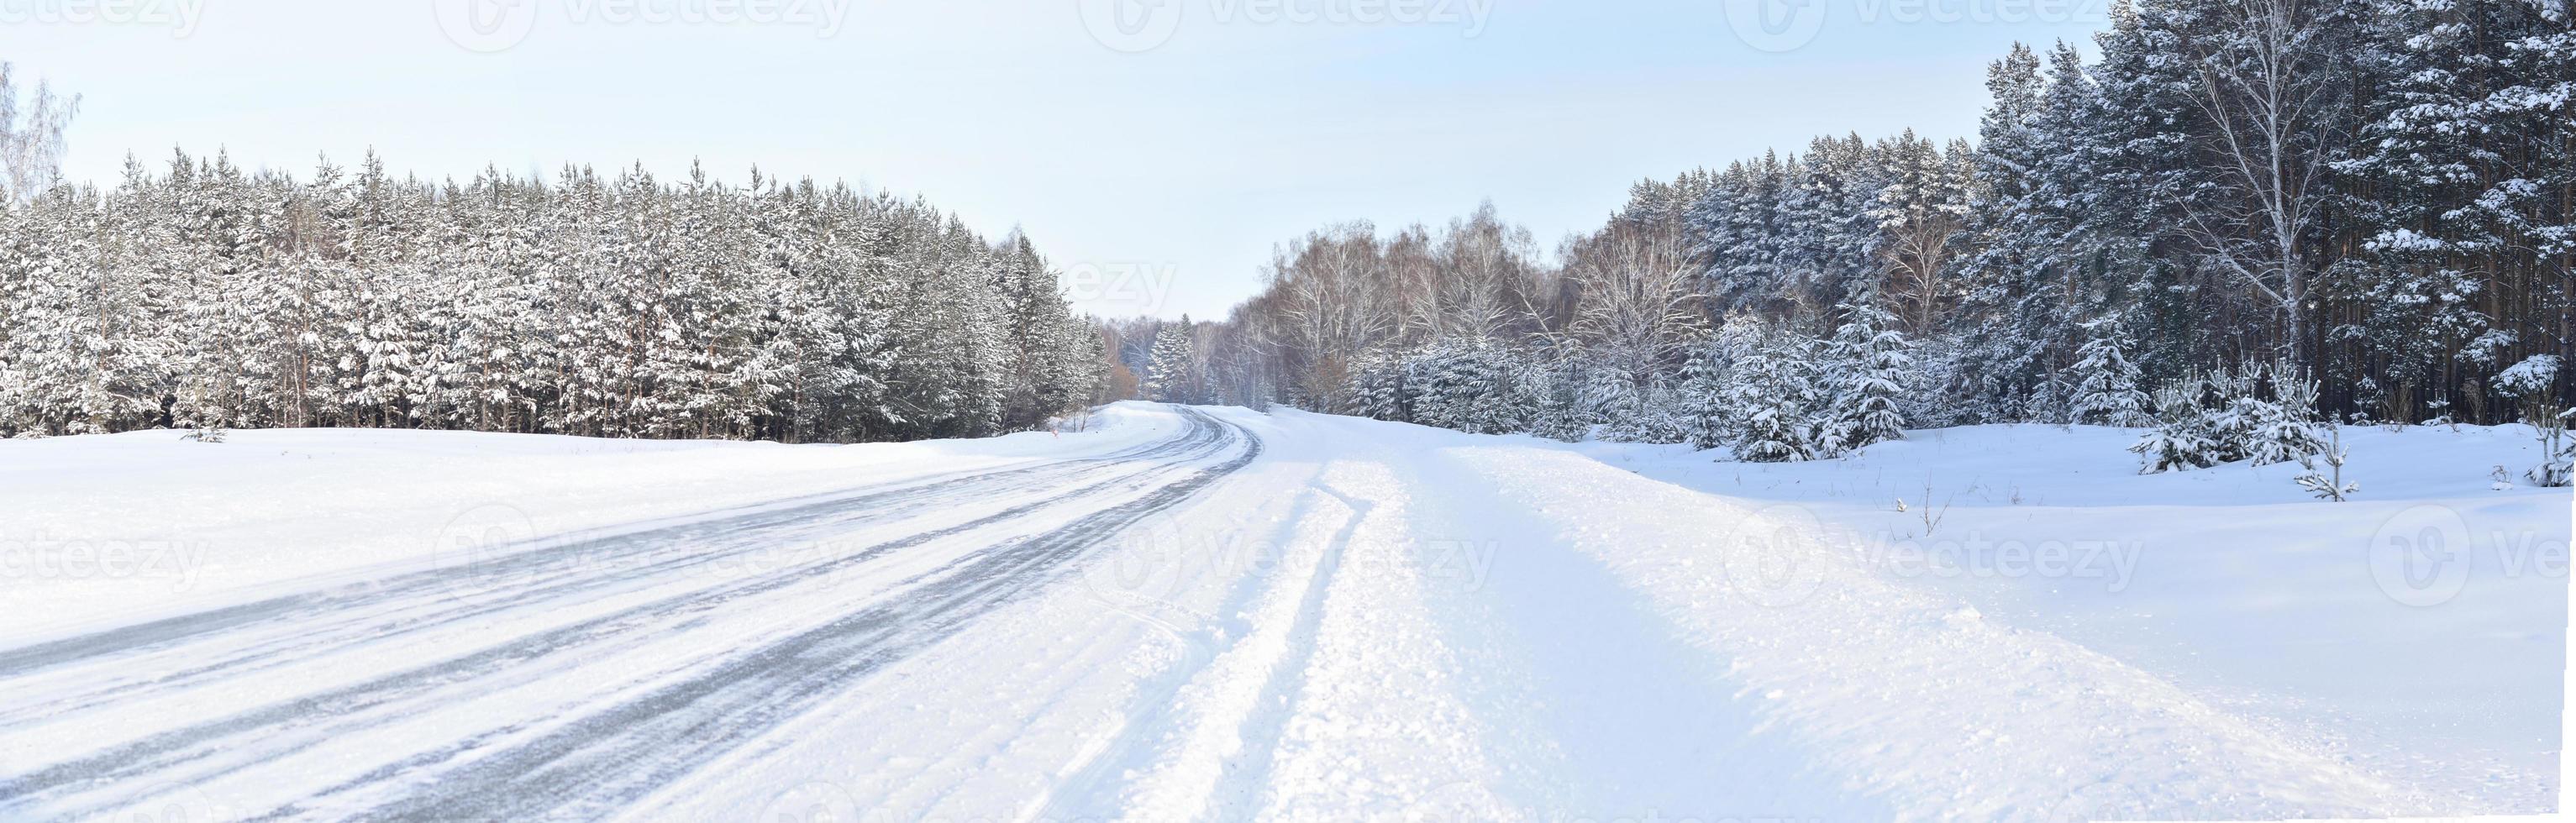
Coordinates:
1770	395
1473	387
2557	467
2281	428
2182	439
1706	423
1868	361
1562	413
1379	387
2329	484
2106	383
1170	377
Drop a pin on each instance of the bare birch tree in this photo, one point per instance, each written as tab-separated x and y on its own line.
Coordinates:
2265	82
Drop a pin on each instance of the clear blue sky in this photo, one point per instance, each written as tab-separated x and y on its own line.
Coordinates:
1191	146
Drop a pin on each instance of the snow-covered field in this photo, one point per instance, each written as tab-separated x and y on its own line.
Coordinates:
1269	616
2416	632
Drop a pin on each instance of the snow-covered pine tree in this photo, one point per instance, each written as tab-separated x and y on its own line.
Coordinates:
2467	172
1612	396
1561	412
2283	427
1441	387
1770	392
1379	387
73	354
1866	365
2106	383
1472	386
2256	412
1831	234
2329	483
1705	421
2557	467
1652	413
1169	378
2234	410
1044	382
2532	381
2181	440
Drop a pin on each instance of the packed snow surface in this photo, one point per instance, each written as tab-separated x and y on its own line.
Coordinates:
1178	614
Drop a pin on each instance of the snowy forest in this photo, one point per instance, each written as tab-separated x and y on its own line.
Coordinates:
207	297
2234	216
2239	217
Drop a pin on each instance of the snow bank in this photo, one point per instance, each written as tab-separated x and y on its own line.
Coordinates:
2417	631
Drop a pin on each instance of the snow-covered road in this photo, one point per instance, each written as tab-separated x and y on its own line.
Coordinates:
565	676
1194	615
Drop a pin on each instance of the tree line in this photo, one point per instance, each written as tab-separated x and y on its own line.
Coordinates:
2378	196
623	305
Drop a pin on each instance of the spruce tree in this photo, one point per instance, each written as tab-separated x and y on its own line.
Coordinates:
1171	378
2181	440
1770	394
1868	362
2106	383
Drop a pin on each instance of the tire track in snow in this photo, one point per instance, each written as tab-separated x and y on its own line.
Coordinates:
1376	728
972	582
593	764
352	622
1265	725
535	557
286	727
1207	738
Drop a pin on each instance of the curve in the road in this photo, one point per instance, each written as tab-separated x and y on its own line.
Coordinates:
608	757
